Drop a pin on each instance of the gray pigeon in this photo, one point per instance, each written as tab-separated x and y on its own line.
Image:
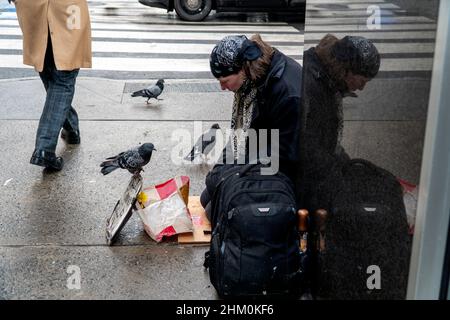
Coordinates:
133	160
204	144
151	92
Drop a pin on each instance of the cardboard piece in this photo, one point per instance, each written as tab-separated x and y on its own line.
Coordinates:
123	209
202	226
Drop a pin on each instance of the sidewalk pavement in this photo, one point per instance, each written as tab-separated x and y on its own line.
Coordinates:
49	222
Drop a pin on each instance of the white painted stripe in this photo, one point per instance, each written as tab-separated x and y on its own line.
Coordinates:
351	20
9	22
162	48
134	19
127	64
241	28
170	35
338	13
175	28
359	27
407	47
205	28
379	35
199	65
138	47
410	64
343	1
268	37
364	6
90	2
8	15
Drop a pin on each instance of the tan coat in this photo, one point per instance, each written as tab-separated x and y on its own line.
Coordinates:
70	29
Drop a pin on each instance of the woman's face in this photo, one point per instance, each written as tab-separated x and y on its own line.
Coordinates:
355	81
232	82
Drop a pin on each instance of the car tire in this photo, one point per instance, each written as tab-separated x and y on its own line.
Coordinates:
193	10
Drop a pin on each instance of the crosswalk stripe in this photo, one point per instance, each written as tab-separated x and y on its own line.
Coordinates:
200	65
182	29
380	35
234	29
383	48
103	46
179	28
344	1
363	20
169	35
363	28
127	64
270	38
352	13
217	36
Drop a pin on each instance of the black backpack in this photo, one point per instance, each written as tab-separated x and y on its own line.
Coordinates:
254	250
366	231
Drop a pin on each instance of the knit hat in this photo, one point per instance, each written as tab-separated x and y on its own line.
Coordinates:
229	55
359	53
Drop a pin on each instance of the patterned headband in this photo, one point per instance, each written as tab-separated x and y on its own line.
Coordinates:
229	55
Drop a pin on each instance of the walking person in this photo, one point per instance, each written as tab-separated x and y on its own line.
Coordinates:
57	43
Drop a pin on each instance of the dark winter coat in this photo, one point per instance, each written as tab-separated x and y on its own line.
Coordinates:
278	107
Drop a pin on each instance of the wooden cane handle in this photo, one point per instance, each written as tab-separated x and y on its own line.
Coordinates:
302	220
321	217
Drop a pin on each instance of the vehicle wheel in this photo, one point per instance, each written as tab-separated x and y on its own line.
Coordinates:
193	10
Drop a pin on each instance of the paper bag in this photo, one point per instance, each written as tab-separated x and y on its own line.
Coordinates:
163	208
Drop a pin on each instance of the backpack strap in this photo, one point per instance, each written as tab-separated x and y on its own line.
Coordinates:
214	200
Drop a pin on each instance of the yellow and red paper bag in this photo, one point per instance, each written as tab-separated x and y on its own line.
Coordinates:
163	208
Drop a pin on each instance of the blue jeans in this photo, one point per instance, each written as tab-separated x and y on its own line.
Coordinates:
58	111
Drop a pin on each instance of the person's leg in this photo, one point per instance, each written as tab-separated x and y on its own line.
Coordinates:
45	76
71	131
57	105
71	123
60	86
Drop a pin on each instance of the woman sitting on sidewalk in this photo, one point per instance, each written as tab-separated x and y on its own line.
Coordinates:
267	95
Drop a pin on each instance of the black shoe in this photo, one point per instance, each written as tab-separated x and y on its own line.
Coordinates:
71	137
47	159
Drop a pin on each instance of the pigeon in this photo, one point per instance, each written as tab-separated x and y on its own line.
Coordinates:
204	144
151	92
133	160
